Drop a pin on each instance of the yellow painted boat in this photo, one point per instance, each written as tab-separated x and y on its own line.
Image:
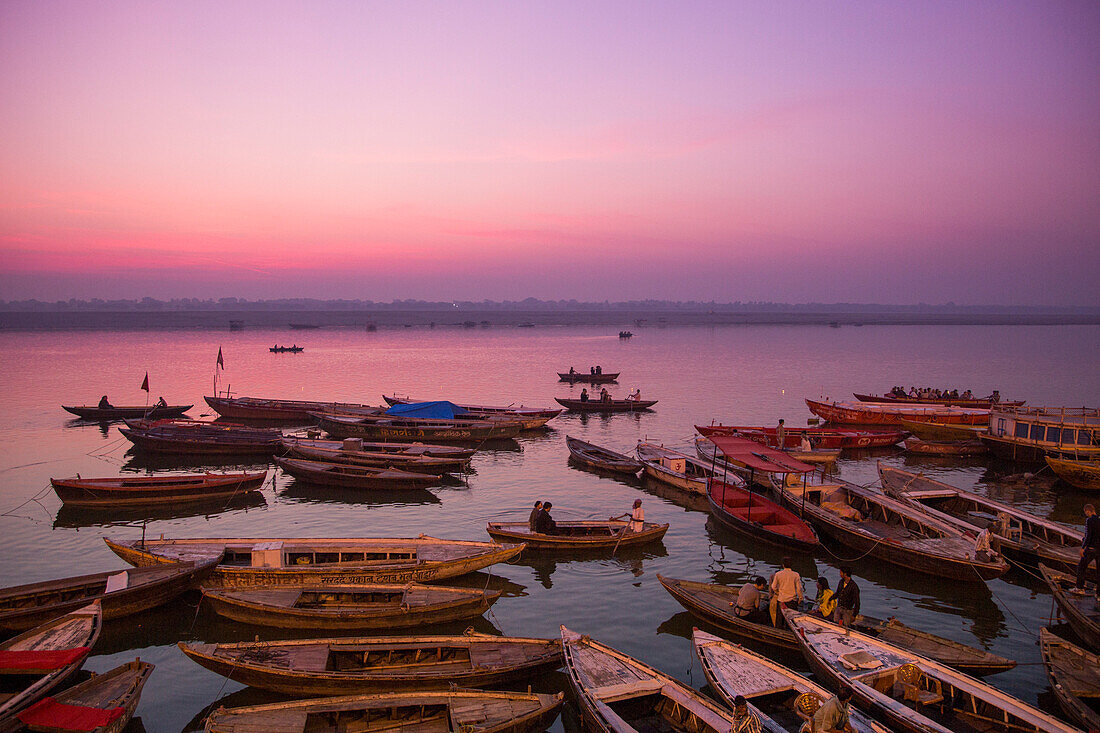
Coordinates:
1082	474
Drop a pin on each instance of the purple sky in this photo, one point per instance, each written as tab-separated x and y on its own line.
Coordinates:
886	152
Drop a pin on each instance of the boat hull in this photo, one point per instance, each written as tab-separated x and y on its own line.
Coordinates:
605	406
407	431
934	448
155	490
869	413
759	517
577	536
1082	474
87	412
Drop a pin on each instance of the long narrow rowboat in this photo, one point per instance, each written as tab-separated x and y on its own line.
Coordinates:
346	476
899	686
1080	611
715	603
320	561
590	377
978	402
1082	474
757	516
414	463
785	698
352	445
132	412
46	656
945	447
605	405
674	468
143	490
259	408
508	410
344	607
456	711
416	429
594	456
103	704
1020	535
121	593
577	535
827	438
198	437
933	430
619	694
357	666
1075	678
881	413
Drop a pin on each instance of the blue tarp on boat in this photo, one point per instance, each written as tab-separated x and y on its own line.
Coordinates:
440	409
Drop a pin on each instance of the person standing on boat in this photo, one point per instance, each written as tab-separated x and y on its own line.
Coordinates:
1090	550
832	717
747	606
786	587
533	519
636	515
744	720
847	598
572	371
780	435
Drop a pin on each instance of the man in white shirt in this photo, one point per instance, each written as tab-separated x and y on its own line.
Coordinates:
786	587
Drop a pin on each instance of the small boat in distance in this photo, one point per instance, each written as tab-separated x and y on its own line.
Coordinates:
625	334
128	412
594	456
980	402
590	377
141	490
605	405
276	349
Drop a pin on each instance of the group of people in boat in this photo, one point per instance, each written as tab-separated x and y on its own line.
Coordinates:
592	371
805	443
930	393
540	521
104	403
785	590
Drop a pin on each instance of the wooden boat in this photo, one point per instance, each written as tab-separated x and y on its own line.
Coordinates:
198	437
605	405
259	408
883	413
120	593
888	529
981	403
356	666
1030	434
755	515
141	490
578	535
320	561
946	448
94	412
509	410
933	430
333	607
591	378
420	450
295	349
1081	611
1082	474
594	456
103	704
1075	678
454	711
674	468
1020	535
617	693
45	656
402	461
783	699
907	691
823	438
345	476
714	604
416	429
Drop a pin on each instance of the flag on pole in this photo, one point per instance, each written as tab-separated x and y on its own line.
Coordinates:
145	382
221	361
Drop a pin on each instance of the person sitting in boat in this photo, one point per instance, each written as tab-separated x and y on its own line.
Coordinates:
104	404
599	369
744	720
635	395
804	445
584	394
544	523
912	391
968	395
605	396
747	606
832	716
592	371
995	397
533	519
572	371
983	546
161	402
825	601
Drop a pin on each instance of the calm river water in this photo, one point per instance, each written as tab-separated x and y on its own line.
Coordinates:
753	374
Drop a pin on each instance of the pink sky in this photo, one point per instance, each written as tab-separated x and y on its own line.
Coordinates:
882	152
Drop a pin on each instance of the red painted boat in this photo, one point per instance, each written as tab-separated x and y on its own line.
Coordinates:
978	402
747	512
820	437
882	413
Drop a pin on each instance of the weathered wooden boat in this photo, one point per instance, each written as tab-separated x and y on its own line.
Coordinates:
120	592
782	699
579	405
123	412
36	661
1080	610
1020	535
403	461
509	410
907	691
1082	474
715	603
357	666
600	458
103	704
882	413
417	429
737	507
888	529
825	438
982	403
946	448
1029	434
618	694
1075	678
589	377
454	711
199	437
933	430
346	476
295	349
142	490
259	408
320	561
578	535
361	606
672	467
433	450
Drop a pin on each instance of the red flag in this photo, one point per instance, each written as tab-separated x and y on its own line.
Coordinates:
221	361
145	382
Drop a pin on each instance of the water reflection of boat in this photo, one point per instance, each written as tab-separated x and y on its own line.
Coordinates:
314	494
140	462
630	559
78	516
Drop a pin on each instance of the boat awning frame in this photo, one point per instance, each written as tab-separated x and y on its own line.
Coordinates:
753	455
